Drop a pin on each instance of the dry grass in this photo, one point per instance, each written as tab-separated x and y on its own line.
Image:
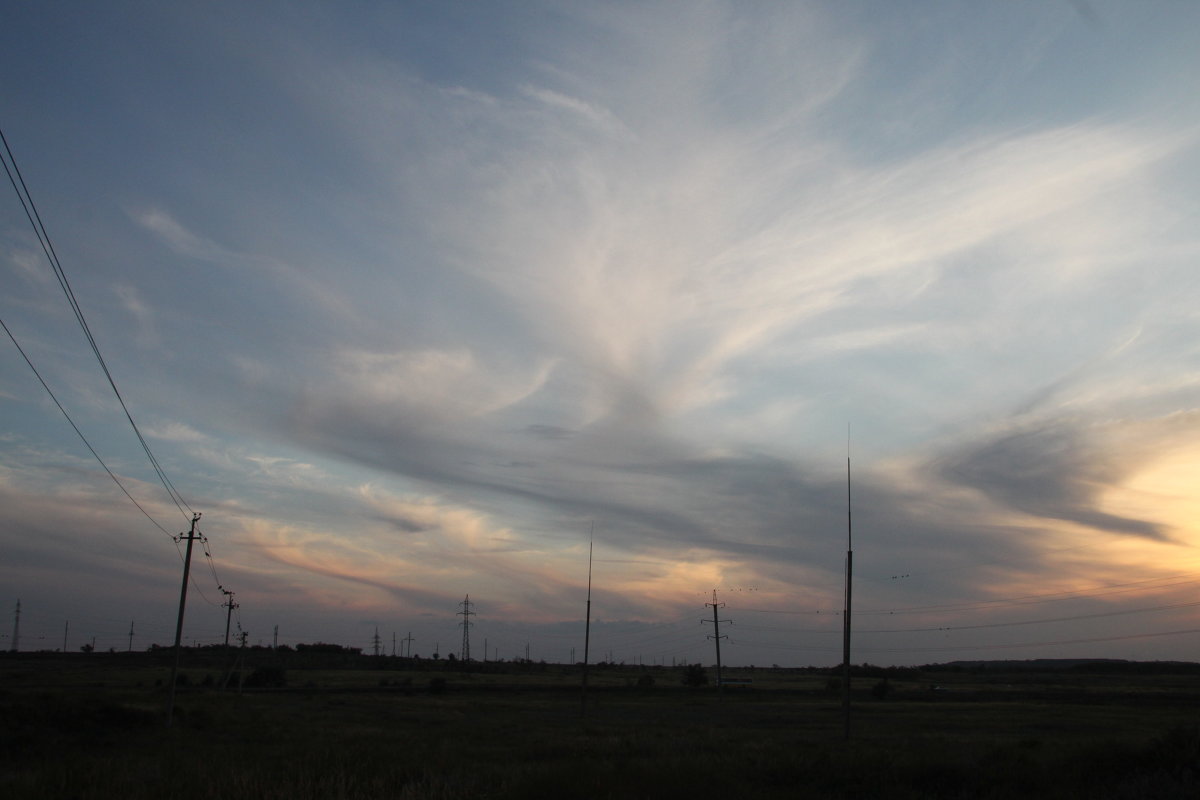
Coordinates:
341	734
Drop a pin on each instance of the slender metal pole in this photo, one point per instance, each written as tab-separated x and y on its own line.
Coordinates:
187	567
846	614
587	625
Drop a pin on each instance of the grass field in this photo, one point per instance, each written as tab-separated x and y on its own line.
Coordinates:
93	726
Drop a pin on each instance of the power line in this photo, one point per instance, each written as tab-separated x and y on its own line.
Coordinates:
35	220
83	438
1163	582
1015	645
1072	618
979	626
966	647
1030	599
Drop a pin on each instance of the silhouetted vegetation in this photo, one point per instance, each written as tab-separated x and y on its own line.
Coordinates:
322	647
92	726
694	676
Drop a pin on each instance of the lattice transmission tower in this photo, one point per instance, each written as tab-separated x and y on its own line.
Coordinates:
466	615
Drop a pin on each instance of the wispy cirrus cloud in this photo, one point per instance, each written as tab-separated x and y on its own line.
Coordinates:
437	308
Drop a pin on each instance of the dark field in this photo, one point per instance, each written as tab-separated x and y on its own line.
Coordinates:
83	726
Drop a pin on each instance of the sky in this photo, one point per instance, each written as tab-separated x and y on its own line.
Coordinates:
419	301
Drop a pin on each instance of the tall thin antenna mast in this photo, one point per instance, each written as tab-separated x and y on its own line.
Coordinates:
846	614
587	625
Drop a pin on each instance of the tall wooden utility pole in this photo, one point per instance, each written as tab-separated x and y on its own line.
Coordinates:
230	606
717	637
190	537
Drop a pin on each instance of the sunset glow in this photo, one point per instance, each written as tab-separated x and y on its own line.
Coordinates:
417	301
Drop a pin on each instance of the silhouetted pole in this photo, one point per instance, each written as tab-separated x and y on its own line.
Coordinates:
717	637
16	627
846	614
587	626
66	627
230	605
130	636
466	614
191	536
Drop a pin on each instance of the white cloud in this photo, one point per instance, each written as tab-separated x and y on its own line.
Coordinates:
176	431
643	269
443	383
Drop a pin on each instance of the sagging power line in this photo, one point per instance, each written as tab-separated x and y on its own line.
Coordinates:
35	220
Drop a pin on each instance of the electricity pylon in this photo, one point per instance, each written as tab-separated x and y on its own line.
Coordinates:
466	615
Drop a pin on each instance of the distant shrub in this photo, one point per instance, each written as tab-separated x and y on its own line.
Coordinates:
694	675
645	681
323	647
437	685
881	690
